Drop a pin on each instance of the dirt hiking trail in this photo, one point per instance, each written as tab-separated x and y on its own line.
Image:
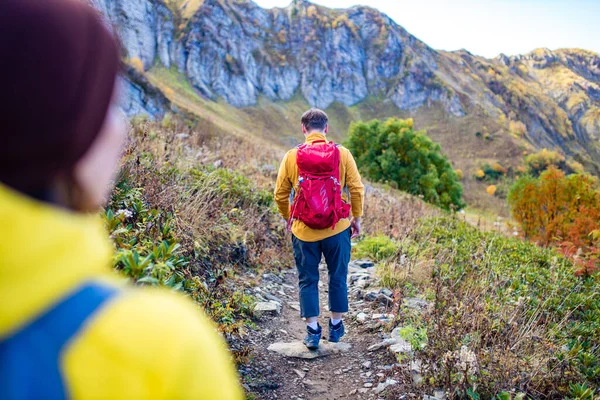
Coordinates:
362	366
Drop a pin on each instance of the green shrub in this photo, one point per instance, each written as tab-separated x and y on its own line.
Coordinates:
376	248
147	249
392	151
235	188
539	162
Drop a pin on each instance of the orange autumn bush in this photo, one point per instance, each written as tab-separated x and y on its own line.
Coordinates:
560	210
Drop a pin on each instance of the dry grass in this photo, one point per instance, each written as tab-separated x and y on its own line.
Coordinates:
223	212
393	213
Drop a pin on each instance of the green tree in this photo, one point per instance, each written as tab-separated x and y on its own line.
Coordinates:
393	151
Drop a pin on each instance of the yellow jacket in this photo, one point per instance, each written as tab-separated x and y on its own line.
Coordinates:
287	180
141	344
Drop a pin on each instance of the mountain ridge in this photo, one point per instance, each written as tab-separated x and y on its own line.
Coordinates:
240	52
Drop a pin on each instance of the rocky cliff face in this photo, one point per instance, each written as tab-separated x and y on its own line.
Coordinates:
571	79
238	51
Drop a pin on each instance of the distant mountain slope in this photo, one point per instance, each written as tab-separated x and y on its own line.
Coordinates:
238	52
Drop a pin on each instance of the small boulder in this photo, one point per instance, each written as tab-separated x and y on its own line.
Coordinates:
276	299
362	283
364	263
299	350
371	296
385	343
361	317
384	385
301	374
401	346
385	300
385	318
416	303
264	308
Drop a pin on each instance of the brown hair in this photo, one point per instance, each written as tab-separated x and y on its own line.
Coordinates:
58	70
315	120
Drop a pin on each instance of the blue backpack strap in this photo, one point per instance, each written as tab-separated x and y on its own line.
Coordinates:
30	358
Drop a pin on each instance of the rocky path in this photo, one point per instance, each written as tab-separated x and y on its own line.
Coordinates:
362	366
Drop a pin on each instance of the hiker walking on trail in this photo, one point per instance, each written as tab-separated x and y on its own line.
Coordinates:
69	326
318	189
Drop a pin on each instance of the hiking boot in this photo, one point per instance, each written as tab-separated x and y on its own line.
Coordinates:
336	331
312	338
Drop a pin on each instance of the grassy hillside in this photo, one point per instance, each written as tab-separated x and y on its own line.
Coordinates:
470	142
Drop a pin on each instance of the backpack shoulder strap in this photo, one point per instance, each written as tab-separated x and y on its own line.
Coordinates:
30	358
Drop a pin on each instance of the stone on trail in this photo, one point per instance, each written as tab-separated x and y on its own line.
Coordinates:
385	300
383	317
401	346
361	317
294	305
364	263
301	374
266	308
384	385
270	297
385	343
416	303
371	296
299	350
362	283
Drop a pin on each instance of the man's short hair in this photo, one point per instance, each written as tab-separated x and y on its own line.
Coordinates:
315	120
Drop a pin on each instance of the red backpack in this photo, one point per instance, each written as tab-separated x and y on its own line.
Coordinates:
319	201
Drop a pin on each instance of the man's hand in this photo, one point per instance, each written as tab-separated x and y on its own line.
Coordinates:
355	226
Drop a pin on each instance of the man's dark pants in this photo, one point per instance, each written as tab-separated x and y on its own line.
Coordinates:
336	250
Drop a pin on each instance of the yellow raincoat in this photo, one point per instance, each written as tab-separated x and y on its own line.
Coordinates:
138	344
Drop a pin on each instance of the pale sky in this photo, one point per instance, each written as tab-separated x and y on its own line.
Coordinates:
489	27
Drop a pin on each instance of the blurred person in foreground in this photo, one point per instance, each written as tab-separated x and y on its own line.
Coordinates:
69	327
